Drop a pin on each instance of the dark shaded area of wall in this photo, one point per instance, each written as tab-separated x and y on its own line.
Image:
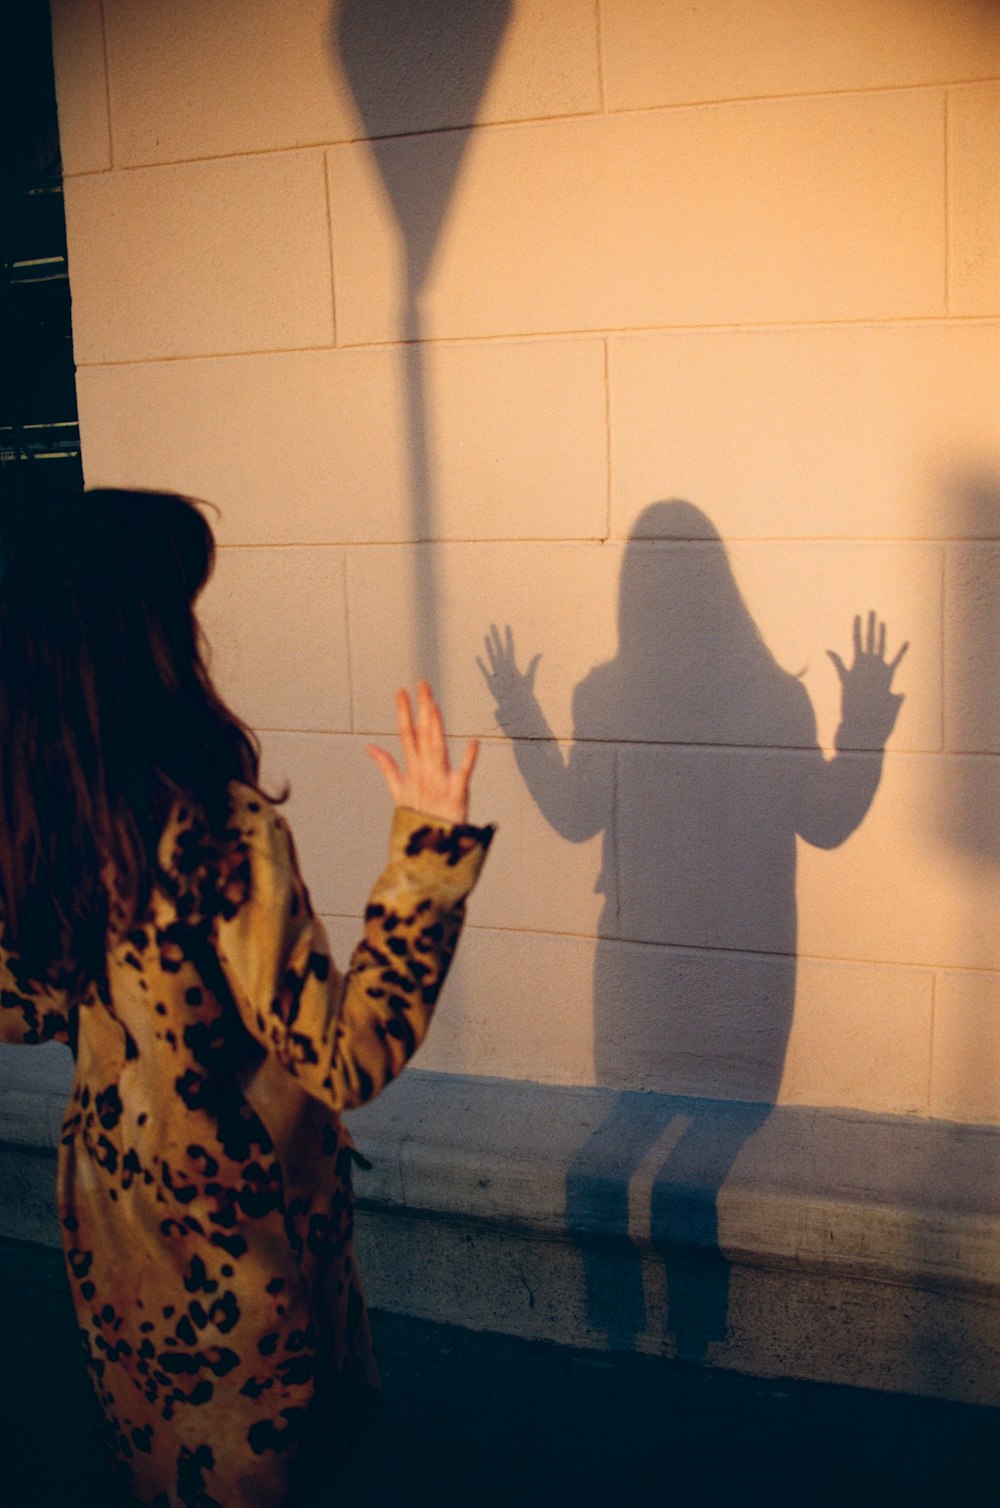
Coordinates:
39	435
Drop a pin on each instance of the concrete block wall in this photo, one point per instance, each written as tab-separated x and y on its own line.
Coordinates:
434	301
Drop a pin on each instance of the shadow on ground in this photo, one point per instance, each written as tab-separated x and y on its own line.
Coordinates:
482	1420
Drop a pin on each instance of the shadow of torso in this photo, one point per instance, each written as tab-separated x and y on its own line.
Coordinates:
712	776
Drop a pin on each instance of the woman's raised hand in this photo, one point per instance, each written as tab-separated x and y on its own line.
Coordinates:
426	783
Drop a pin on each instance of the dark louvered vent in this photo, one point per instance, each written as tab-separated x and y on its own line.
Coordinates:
39	435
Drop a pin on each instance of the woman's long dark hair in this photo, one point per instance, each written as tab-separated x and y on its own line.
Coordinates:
107	715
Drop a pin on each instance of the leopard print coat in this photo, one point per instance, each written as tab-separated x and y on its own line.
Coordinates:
204	1183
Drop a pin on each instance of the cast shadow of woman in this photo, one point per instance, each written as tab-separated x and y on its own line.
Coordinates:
717	771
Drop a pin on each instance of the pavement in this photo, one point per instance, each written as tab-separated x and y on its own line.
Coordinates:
483	1420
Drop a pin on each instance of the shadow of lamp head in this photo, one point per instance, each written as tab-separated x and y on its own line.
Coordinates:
416	66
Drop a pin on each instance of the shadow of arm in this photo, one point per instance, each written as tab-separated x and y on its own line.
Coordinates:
836	796
567	789
839	791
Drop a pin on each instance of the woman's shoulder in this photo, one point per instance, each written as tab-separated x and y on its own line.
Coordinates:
252	818
245	813
193	849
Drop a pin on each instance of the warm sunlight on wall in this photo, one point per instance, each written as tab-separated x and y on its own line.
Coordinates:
743	257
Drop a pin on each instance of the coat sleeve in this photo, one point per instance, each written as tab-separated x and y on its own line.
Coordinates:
344	1037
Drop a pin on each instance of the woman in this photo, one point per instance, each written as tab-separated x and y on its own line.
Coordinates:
153	917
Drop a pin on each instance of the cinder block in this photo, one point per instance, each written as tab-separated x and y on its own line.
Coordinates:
339	813
559	599
419	68
965	1081
803	600
200	258
704	216
972	648
691	1023
81	85
550	868
277	626
516	1005
707	843
708	855
919	881
761	1028
669	54
860	1037
232	78
220	77
535	880
974	191
838	433
320	446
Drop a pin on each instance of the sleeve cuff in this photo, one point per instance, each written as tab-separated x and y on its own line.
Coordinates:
444	858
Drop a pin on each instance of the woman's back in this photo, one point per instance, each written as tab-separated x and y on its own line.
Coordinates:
154	917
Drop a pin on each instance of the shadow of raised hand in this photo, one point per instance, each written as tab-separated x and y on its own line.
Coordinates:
513	690
869	706
566	785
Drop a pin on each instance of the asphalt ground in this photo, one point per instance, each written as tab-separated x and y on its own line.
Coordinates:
482	1420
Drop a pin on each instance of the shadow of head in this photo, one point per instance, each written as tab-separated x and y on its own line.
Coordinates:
691	665
418	66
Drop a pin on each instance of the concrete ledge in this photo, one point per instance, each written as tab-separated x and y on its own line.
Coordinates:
823	1244
34	1088
863	1193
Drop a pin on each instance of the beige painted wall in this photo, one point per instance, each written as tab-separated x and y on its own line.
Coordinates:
742	254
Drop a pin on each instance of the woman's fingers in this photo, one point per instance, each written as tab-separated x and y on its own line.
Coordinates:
423	711
436	742
389	769
426	781
423	739
468	764
407	732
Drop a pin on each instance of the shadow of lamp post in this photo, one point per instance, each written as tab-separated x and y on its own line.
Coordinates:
417	65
